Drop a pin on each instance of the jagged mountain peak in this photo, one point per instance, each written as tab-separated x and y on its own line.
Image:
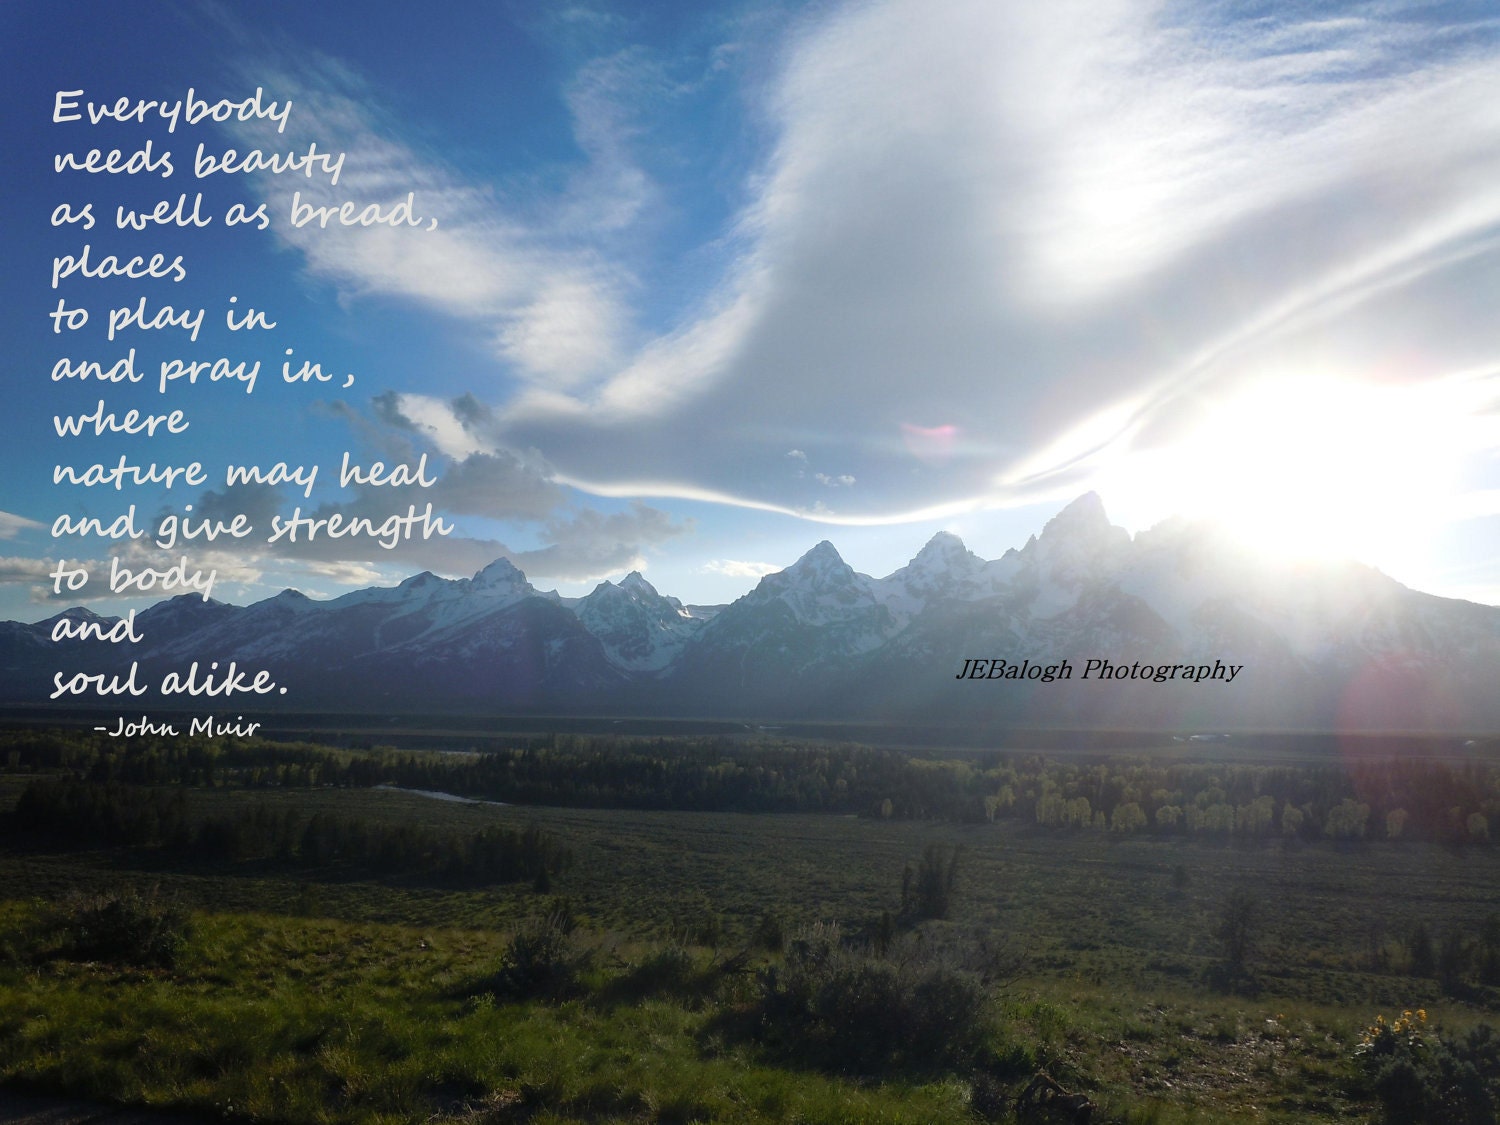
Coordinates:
820	569
944	541
942	561
942	552
819	589
823	554
638	628
501	575
632	588
183	614
944	568
193	603
1079	538
636	581
1084	515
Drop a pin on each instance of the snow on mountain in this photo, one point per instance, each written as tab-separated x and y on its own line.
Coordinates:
641	630
500	579
1078	548
1320	643
943	570
782	643
819	593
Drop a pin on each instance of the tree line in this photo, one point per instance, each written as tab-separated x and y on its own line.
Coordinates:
73	812
1393	798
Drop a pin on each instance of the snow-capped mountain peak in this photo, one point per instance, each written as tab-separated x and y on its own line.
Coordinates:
943	545
1078	547
943	562
636	581
818	592
943	568
1082	523
641	630
501	577
824	558
817	587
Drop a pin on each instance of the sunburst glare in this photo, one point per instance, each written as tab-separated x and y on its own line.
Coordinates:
1308	467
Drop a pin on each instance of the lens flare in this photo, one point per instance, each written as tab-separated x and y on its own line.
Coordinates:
932	445
1306	467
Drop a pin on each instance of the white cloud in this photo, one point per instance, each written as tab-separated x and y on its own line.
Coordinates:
736	568
577	543
12	525
20	570
590	544
436	420
564	331
611	190
552	311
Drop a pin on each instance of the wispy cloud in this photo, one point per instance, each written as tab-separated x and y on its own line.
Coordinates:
609	193
550	307
736	568
12	525
32	573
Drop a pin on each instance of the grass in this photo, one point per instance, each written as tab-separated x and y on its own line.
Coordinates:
292	1019
330	997
1087	906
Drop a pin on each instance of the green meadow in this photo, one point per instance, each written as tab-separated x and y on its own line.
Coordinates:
261	938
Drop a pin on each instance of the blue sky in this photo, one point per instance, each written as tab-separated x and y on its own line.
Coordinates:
710	283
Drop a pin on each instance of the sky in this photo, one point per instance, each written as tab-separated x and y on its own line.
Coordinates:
687	288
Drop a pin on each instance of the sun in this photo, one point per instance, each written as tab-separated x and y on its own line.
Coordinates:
1305	467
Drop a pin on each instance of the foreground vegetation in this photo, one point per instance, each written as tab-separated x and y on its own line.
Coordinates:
189	942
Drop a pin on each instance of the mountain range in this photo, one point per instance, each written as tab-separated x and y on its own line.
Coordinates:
1233	638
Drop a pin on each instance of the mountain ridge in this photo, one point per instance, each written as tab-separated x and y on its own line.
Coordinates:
1323	646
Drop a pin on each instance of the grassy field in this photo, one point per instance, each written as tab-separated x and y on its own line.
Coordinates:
327	995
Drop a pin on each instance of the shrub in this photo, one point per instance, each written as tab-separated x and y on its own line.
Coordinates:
669	970
543	960
1453	956
1422	1076
703	924
1421	956
927	892
849	1010
770	931
989	1097
1489	950
120	927
1236	928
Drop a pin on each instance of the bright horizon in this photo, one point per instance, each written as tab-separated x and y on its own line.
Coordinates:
742	578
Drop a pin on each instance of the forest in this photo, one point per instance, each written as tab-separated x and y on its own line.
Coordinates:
1443	799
